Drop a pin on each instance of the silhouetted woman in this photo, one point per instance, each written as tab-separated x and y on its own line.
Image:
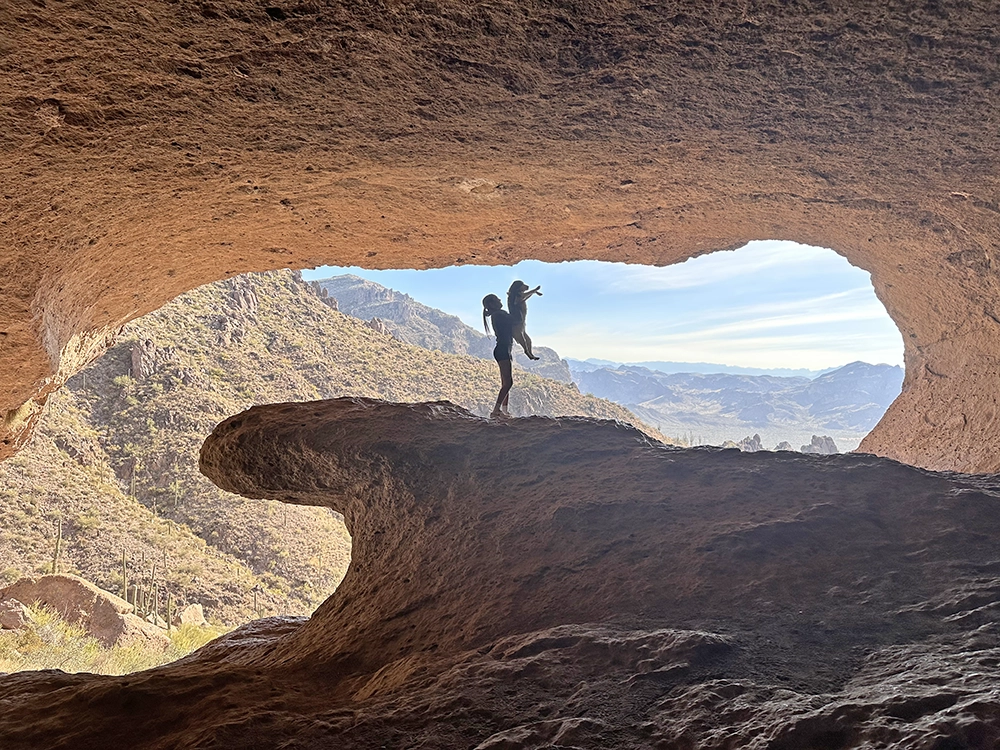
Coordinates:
503	326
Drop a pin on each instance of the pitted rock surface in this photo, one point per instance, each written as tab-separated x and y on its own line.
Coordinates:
151	149
570	582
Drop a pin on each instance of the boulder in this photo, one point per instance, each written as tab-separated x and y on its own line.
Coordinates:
822	445
591	589
106	617
750	444
192	614
13	615
378	325
784	445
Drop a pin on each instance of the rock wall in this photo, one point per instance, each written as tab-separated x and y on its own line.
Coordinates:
151	149
566	582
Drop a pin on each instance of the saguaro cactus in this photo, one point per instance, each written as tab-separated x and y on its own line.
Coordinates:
124	576
58	550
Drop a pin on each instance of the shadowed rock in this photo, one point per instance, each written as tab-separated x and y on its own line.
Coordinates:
571	582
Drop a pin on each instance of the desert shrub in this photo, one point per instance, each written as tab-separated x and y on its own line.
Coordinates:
88	521
123	381
9	575
52	643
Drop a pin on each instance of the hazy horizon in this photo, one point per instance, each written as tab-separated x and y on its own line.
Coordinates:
768	305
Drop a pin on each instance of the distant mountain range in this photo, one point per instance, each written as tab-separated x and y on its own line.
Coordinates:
844	403
415	323
708	368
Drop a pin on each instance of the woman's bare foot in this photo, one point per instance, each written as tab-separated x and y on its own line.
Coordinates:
500	415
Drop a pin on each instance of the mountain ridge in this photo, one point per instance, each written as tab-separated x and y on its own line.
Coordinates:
845	403
421	325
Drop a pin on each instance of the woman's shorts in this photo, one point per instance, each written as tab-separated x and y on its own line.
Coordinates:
500	354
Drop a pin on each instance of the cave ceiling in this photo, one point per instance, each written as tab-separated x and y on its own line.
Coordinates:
151	148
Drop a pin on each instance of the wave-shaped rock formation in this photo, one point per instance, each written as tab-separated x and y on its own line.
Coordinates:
150	148
570	583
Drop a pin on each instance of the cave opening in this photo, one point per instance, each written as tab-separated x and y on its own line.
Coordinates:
716	351
775	338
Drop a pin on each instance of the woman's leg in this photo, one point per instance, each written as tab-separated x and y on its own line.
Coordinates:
506	382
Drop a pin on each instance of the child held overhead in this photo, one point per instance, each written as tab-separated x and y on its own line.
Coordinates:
517	303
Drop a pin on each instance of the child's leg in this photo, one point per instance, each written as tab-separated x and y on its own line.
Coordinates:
526	343
518	333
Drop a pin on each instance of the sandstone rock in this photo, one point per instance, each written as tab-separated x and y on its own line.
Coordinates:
784	445
13	614
822	445
155	620
82	450
147	358
243	299
609	140
101	614
591	589
135	630
378	325
324	294
143	359
231	329
192	614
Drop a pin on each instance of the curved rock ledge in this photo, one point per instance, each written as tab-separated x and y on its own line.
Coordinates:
570	582
153	148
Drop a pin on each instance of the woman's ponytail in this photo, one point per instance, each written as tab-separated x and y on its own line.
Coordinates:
490	303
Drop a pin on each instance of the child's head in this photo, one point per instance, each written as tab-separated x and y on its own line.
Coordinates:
517	287
514	295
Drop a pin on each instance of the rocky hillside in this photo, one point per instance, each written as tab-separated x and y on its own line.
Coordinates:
115	458
845	403
418	324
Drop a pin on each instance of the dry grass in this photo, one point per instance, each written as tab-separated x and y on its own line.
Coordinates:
52	643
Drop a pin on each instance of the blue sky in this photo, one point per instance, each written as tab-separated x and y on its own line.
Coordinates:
769	304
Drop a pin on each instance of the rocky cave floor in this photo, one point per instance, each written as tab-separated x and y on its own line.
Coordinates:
569	583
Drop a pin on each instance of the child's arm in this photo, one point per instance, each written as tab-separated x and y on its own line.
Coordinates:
527	295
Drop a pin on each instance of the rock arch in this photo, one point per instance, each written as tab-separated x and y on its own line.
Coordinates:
150	150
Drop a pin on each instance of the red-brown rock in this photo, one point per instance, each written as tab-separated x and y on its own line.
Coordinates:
148	150
106	617
13	615
544	582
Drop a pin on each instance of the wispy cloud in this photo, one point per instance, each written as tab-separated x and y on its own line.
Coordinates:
721	267
852	304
